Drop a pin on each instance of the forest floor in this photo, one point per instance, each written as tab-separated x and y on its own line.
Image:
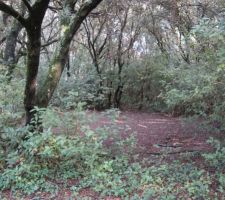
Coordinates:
156	134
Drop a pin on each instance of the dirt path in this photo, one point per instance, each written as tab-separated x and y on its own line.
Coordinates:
157	133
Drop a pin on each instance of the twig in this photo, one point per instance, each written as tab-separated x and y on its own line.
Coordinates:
174	152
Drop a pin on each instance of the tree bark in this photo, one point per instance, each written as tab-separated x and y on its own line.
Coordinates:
33	28
11	42
10	47
118	96
68	30
33	56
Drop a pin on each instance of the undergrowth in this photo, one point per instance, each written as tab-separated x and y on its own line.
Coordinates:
78	158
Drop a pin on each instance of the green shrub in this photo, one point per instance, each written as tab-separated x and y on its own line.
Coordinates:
32	164
11	100
83	88
46	161
217	158
144	82
198	88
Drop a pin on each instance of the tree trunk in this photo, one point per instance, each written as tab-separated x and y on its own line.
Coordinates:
118	96
119	89
70	23
109	95
46	90
10	47
9	55
33	56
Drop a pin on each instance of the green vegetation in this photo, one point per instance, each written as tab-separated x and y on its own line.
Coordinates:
62	60
48	162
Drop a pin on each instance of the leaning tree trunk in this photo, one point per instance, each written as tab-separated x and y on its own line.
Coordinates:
70	23
119	90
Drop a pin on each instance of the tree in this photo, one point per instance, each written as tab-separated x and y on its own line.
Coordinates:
109	37
10	58
70	22
121	48
96	43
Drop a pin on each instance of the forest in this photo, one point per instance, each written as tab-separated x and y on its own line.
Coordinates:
112	99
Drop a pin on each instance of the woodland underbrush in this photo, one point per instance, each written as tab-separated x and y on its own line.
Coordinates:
76	158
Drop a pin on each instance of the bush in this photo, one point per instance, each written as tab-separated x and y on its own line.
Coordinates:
11	100
49	161
217	158
197	88
144	82
34	164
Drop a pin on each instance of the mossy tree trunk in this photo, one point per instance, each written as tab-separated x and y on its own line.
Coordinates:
32	22
10	47
33	28
33	56
70	23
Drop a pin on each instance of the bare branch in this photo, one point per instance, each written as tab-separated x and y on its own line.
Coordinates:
27	4
49	43
11	11
2	40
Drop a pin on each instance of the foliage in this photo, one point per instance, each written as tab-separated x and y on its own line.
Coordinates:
143	83
217	158
176	181
191	90
47	161
11	98
83	88
197	88
35	163
186	77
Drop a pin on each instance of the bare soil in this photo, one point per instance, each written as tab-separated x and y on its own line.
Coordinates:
157	133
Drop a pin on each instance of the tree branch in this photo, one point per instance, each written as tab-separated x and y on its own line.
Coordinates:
27	4
82	13
49	43
9	10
